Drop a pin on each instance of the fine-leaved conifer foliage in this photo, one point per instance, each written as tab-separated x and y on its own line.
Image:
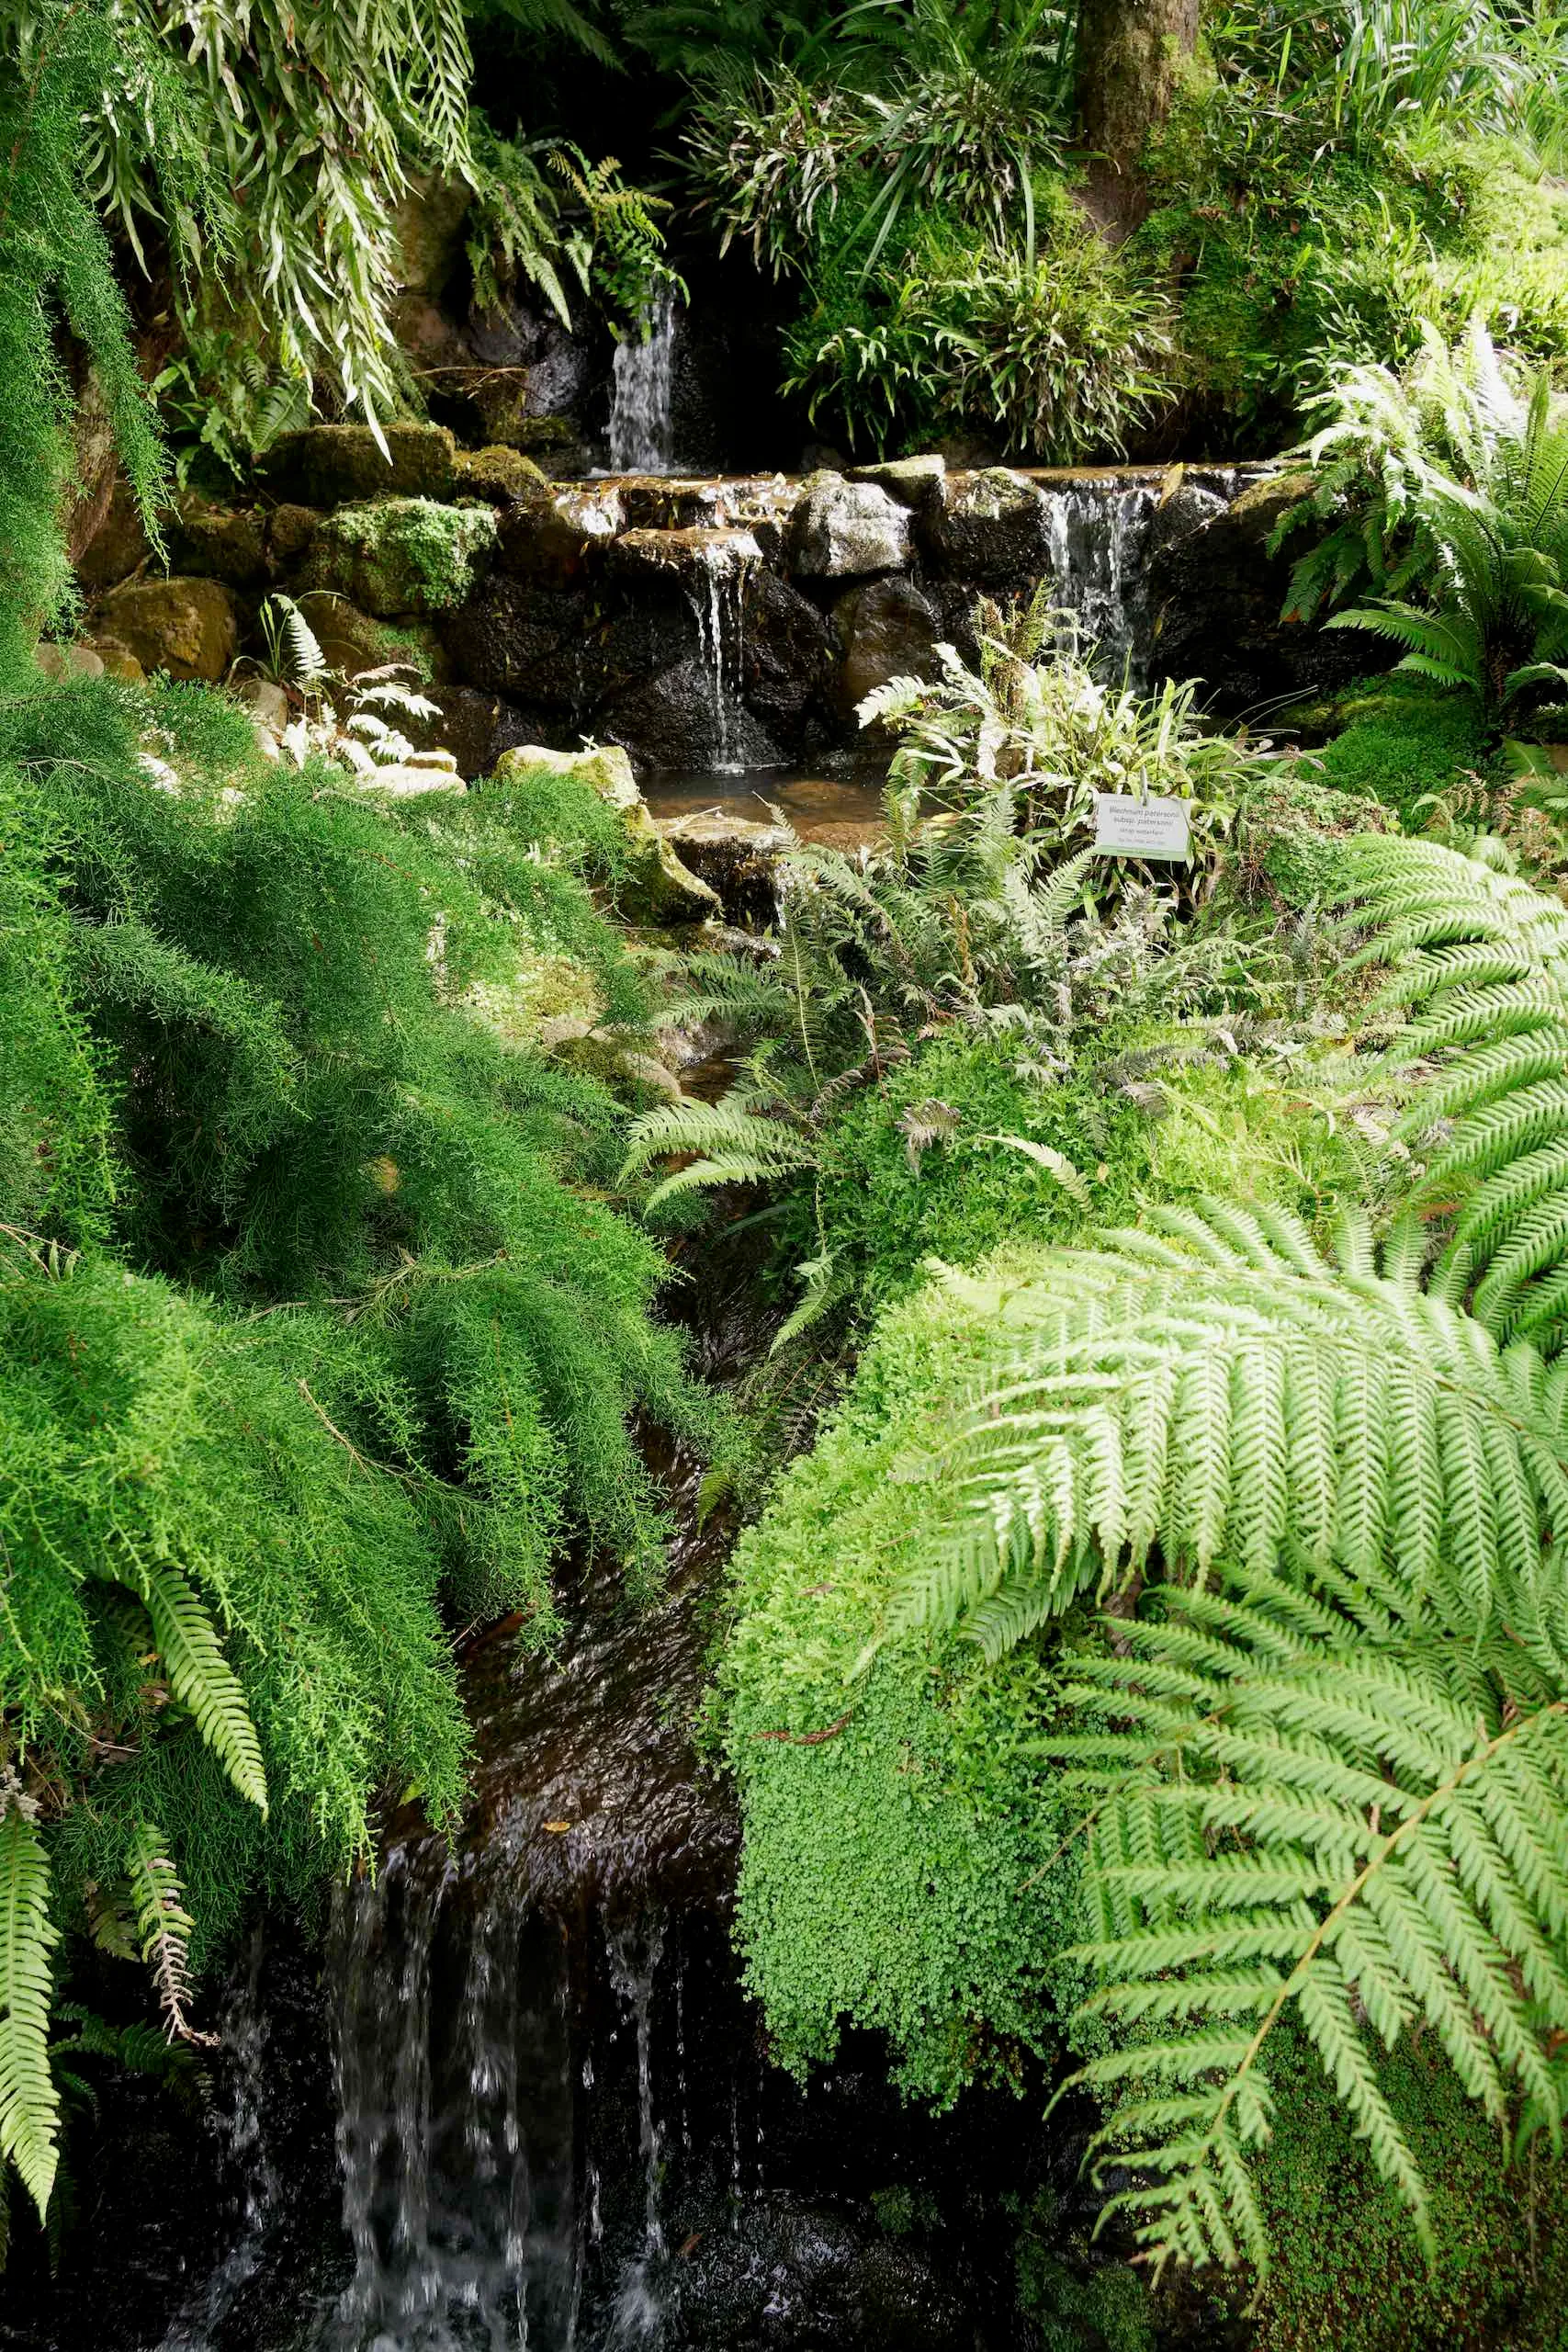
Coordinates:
310	1321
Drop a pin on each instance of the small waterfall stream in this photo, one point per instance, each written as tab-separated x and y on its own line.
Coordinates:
1097	537
641	426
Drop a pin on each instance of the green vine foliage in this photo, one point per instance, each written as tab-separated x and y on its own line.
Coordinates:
56	272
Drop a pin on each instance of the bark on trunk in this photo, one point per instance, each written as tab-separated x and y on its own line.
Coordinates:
1131	54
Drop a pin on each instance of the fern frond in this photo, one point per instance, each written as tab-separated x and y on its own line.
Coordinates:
1397	1788
29	2102
200	1676
1220	1390
165	1927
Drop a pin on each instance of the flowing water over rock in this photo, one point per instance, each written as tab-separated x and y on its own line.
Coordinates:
641	431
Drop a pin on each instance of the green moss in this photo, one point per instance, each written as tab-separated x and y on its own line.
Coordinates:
1347	2269
1075	2302
894	1873
400	555
1402	741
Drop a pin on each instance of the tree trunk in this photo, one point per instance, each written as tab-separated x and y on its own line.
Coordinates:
1131	54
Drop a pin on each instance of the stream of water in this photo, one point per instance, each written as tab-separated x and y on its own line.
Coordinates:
641	429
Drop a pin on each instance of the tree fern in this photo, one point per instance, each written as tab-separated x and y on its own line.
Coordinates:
1330	1800
1478	962
29	2103
1217	1389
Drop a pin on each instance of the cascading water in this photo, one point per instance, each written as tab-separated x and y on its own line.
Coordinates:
641	399
718	599
1097	538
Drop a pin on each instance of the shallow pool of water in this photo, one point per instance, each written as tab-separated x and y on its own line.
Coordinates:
838	812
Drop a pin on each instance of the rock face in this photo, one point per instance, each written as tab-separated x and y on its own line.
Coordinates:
703	625
186	627
736	857
325	465
888	630
990	528
1216	593
842	530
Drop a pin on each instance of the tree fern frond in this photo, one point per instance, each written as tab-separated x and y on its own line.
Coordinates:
1146	1395
1372	1889
29	2103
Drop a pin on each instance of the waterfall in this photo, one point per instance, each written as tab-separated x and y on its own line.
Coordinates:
1097	536
716	590
641	426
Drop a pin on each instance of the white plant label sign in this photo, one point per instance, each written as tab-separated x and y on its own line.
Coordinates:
1125	826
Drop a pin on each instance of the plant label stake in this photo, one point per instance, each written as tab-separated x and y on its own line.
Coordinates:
1125	826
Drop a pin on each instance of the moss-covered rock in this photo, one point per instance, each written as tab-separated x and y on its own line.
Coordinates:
186	627
401	555
502	475
352	640
654	887
218	542
330	464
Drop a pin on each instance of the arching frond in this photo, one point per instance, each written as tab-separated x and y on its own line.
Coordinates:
1217	1389
202	1678
166	1927
1313	1804
29	2103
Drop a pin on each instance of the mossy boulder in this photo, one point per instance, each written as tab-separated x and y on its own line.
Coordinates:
656	887
333	465
188	627
352	640
401	555
502	475
213	541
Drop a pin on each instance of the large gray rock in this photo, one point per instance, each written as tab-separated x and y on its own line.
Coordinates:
913	482
888	630
987	528
328	465
842	530
186	627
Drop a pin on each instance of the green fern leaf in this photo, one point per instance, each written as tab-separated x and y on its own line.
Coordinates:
29	2103
202	1678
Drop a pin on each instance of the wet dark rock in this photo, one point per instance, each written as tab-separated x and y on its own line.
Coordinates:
328	465
789	653
1186	508
888	630
1216	595
805	2279
519	639
843	530
291	530
737	856
694	555
477	727
989	528
557	534
675	720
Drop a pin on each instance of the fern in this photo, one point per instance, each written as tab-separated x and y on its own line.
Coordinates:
1328	1799
29	2103
1220	1390
1478	961
202	1678
165	1927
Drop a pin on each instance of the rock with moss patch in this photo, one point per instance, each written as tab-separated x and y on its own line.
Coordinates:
188	627
502	475
213	541
352	642
656	887
401	555
331	465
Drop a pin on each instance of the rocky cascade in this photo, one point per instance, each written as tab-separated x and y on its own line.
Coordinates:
706	626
